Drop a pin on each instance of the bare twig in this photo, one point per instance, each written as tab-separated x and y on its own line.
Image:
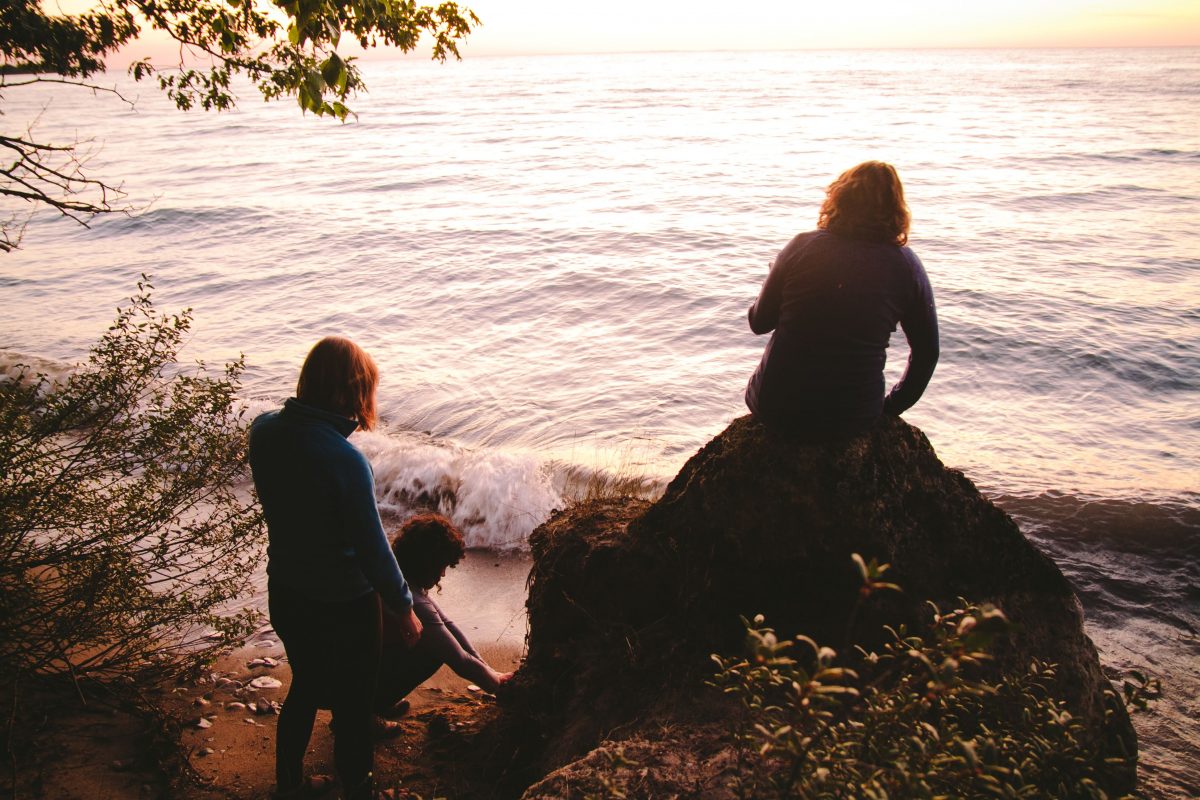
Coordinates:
8	739
31	176
94	87
74	678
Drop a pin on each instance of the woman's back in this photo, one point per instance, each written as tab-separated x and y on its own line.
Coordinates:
833	303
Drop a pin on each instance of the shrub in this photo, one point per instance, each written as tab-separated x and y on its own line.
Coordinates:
123	535
923	717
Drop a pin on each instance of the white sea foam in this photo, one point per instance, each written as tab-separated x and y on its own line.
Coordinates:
495	497
14	365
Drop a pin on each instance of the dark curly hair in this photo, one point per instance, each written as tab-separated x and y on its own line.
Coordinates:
425	545
866	202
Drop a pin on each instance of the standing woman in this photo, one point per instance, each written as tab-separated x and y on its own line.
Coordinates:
833	297
328	563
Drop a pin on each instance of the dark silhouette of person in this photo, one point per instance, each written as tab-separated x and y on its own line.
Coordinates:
831	300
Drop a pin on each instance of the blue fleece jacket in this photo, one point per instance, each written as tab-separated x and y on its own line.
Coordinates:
317	490
833	303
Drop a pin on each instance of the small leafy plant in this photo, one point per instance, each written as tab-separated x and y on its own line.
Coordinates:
920	717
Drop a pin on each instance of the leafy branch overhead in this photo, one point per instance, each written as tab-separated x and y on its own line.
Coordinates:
285	48
241	37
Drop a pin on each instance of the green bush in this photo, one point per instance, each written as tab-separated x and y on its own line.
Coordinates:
921	717
124	537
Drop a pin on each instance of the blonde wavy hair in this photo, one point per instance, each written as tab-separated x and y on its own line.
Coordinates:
866	202
339	376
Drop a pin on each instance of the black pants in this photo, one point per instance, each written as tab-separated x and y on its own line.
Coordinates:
333	650
402	669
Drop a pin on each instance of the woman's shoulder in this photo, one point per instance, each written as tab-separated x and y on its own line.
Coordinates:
421	597
911	259
798	246
265	418
265	423
807	237
425	607
343	461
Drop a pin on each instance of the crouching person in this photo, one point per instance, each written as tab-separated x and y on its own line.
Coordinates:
426	546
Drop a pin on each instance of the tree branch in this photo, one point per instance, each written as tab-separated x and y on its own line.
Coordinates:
52	175
94	87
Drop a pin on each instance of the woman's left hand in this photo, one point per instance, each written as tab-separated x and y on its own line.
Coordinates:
410	628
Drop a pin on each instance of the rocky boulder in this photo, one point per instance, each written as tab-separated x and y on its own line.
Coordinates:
628	599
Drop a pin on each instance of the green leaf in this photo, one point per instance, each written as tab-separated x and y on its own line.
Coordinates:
332	69
862	567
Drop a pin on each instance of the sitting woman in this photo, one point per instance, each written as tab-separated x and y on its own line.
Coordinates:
426	546
833	297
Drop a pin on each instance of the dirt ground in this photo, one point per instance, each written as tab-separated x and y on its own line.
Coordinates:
63	750
232	749
58	748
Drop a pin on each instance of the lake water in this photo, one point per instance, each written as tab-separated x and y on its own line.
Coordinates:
551	259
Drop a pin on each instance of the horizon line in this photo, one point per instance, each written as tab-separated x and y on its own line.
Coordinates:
876	48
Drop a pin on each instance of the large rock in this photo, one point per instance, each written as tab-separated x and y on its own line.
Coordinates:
627	599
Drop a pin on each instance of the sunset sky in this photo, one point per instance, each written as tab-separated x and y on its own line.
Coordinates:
512	27
553	26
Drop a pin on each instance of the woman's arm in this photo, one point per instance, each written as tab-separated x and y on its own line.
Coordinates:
460	637
920	326
764	313
364	530
442	638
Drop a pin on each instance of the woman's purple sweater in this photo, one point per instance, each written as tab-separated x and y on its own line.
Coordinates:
833	303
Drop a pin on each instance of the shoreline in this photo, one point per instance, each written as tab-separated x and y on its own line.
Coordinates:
486	596
233	756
